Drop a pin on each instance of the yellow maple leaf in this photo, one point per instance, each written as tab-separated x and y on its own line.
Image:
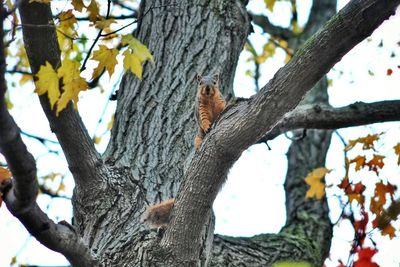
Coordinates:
397	152
67	19
138	49
48	83
93	10
73	83
9	103
97	140
106	58
111	122
135	55
104	23
270	4
313	179
132	63
78	5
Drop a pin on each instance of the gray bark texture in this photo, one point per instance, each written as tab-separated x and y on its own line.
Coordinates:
151	155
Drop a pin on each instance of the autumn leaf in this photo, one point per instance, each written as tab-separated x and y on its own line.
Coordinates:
67	19
376	163
397	152
355	192
359	161
48	83
25	78
389	230
365	258
313	179
106	58
5	174
138	49
93	10
270	4
111	122
97	140
360	226
78	5
73	83
132	63
104	23
13	260
368	142
135	55
9	103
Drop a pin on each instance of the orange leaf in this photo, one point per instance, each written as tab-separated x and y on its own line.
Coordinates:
313	179
397	152
376	163
390	231
368	142
359	161
5	174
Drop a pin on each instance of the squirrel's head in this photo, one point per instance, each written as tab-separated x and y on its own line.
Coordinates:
208	84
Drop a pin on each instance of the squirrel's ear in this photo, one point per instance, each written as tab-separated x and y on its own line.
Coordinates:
199	77
215	77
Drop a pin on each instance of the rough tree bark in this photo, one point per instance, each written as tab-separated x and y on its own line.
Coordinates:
151	157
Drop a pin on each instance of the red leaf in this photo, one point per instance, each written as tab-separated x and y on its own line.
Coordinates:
389	72
364	258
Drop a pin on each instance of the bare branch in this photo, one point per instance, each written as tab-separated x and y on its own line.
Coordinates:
270	28
245	123
325	117
76	143
20	194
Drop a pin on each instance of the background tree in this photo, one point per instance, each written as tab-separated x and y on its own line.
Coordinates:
150	156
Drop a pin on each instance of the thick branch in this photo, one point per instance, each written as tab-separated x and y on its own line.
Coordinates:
41	46
261	250
21	197
325	117
246	123
268	27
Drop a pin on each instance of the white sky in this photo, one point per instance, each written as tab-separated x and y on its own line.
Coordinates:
252	200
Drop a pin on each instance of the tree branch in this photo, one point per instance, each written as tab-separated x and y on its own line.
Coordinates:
268	27
247	122
68	126
20	194
320	12
260	250
325	117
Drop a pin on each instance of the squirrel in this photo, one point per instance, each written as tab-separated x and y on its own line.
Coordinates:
157	216
208	106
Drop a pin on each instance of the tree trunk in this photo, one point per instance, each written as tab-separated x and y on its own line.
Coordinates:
152	138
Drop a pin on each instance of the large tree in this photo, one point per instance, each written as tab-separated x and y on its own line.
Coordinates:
150	156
